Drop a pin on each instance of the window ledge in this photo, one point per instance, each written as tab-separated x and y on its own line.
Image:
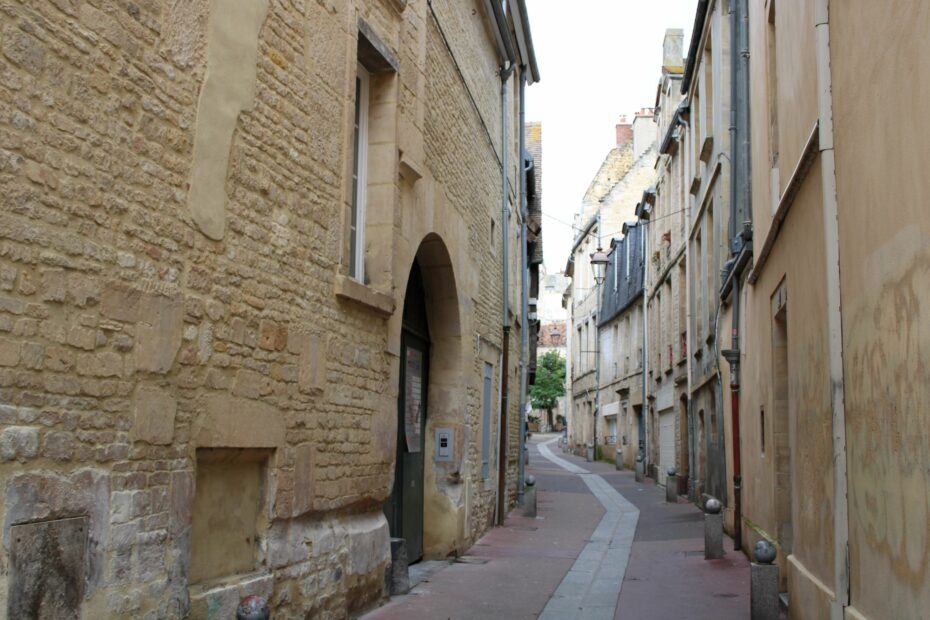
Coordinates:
350	289
706	149
695	185
410	169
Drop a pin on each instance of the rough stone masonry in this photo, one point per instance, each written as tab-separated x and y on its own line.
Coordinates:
192	389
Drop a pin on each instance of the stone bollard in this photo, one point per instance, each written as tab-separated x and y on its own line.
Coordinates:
763	588
671	486
618	459
713	530
253	607
640	468
399	582
529	497
589	452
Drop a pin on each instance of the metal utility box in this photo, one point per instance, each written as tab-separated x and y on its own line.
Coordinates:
444	441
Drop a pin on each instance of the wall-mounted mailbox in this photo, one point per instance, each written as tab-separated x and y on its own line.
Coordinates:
444	440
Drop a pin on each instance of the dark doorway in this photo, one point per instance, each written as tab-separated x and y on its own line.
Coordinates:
404	507
782	436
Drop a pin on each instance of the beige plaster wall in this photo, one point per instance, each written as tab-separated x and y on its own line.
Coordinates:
798	260
881	162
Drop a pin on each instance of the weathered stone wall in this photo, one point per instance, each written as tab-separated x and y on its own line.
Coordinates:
172	264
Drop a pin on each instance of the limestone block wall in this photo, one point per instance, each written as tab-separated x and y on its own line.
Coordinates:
173	292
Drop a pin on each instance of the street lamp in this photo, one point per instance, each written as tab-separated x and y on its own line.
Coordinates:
599	260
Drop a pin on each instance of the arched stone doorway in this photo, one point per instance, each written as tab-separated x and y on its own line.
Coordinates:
427	503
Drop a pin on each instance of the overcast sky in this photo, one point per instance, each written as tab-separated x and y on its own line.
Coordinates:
598	59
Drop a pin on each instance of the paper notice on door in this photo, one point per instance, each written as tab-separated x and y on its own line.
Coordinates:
413	399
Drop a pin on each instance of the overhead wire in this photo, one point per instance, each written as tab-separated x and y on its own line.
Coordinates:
608	234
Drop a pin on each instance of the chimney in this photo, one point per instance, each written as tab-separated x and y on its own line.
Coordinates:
644	131
672	54
624	132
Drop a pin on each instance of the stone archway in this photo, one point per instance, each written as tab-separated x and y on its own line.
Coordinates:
444	513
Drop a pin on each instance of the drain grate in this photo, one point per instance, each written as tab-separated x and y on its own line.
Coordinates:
523	528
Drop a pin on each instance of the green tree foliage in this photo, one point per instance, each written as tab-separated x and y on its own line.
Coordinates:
550	383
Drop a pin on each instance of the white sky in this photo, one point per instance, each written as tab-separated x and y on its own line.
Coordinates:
598	59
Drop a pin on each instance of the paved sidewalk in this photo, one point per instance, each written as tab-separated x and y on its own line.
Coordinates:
523	568
512	571
667	577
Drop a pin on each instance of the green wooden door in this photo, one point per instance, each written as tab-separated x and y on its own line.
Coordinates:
404	507
412	418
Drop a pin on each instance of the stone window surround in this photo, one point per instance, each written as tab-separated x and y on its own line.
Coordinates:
364	288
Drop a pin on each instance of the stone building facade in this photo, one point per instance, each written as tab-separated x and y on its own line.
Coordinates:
621	332
608	204
804	296
224	225
705	144
662	211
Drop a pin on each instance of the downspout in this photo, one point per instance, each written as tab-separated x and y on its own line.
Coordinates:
834	311
733	355
686	160
524	310
734	71
505	343
645	355
597	351
692	448
732	225
740	245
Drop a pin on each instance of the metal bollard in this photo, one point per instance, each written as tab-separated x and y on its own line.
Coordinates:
713	530
618	459
589	452
529	497
763	588
640	468
671	486
253	607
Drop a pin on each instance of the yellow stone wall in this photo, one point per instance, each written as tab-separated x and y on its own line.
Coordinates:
176	179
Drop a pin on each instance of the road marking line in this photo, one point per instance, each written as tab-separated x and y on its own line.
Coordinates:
591	587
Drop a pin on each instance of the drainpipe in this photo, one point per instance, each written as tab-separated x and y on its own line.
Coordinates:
645	356
732	356
505	345
734	71
740	242
834	311
597	350
525	281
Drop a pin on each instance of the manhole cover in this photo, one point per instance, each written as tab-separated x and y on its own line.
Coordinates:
725	595
471	560
689	554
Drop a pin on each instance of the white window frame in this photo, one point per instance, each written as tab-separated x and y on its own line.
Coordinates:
360	174
627	243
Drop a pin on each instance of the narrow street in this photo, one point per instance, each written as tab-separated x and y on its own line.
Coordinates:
575	557
299	300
